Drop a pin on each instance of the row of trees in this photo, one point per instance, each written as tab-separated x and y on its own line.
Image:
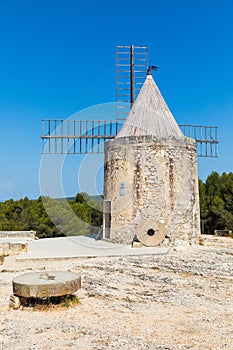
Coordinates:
52	218
82	215
216	202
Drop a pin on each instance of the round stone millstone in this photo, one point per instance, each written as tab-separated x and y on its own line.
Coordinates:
150	232
46	284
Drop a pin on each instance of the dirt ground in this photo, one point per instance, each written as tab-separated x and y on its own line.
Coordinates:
181	300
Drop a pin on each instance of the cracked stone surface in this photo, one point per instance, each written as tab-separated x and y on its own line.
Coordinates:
181	300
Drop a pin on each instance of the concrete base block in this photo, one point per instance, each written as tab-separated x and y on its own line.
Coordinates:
136	245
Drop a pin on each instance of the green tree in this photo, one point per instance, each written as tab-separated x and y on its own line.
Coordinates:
216	202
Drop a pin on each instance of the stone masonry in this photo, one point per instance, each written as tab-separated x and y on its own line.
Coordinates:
147	180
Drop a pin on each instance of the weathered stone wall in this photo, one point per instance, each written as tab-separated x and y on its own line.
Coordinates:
149	180
12	242
8	248
18	234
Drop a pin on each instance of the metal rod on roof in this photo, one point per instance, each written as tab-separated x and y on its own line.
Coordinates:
68	133
42	136
98	134
55	133
201	141
80	132
211	147
86	136
111	128
216	145
132	74
92	131
61	134
49	135
74	138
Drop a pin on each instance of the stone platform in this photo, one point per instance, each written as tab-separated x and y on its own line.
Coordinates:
81	246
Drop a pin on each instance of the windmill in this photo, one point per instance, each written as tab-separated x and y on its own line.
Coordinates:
188	141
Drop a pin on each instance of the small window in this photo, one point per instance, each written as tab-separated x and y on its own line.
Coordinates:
122	189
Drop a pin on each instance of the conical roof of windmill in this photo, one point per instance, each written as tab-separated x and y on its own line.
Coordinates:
150	115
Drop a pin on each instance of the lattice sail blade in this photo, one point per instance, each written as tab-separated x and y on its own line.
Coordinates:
131	68
206	138
88	136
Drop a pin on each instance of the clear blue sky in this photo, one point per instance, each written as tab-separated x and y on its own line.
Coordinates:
58	57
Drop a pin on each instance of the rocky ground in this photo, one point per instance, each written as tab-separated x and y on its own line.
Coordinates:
181	300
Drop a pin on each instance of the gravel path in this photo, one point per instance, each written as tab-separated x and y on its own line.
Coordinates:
181	300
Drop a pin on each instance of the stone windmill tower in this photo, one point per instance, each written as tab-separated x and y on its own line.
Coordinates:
150	178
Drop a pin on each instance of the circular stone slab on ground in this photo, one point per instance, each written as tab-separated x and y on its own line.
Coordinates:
46	284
